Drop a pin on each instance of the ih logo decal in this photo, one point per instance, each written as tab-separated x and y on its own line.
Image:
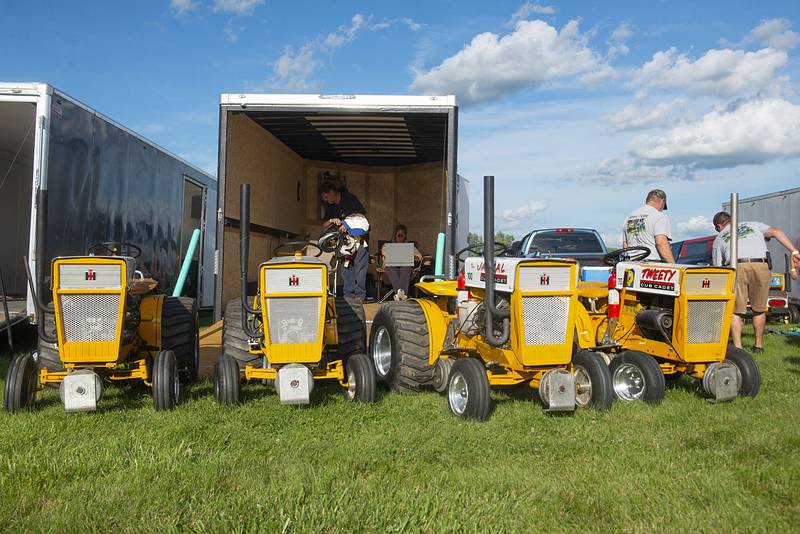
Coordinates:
90	275
294	281
544	280
706	283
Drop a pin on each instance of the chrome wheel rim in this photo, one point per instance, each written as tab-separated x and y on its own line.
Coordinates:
583	387
351	385
629	382
458	394
382	352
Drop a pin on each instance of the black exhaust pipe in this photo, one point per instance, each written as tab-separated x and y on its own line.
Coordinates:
244	255
488	265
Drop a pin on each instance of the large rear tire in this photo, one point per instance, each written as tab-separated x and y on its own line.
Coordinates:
21	384
593	381
179	333
350	326
400	345
235	342
748	371
636	376
468	389
47	356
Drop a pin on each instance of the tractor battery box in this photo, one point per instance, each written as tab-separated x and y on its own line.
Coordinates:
294	384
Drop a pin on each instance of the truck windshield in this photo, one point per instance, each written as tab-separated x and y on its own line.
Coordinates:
566	242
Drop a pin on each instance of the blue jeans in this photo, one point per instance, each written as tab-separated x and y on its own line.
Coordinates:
354	276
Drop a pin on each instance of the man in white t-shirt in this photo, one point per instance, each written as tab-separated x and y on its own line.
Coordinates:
753	274
649	227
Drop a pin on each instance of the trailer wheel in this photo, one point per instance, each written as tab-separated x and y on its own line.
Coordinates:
637	376
21	384
235	341
399	346
361	383
592	380
750	375
350	326
166	384
179	333
468	389
794	314
227	385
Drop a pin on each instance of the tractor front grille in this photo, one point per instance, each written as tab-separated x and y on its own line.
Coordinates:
90	317
293	319
705	318
545	319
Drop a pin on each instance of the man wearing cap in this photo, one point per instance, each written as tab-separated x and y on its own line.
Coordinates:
752	272
649	227
339	205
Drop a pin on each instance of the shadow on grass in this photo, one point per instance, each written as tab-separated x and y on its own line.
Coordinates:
795	361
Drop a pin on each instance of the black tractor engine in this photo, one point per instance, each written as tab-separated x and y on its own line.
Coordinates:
655	324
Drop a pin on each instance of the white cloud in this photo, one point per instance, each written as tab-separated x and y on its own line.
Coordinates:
696	226
745	132
632	171
182	7
412	24
346	34
639	118
775	33
718	72
232	31
490	66
618	46
523	213
239	7
527	9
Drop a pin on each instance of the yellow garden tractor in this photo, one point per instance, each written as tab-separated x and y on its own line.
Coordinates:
294	331
506	321
110	326
657	322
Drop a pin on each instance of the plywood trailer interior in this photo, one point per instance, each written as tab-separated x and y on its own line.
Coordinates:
395	163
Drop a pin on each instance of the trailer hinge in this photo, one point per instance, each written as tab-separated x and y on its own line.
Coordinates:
219	215
450	218
216	262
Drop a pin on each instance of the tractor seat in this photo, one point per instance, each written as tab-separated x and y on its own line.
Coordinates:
593	290
141	286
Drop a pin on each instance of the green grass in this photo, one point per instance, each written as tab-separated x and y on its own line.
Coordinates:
406	464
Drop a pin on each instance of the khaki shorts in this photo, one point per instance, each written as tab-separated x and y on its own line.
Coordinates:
752	283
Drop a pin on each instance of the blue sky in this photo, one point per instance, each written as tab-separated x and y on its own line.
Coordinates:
577	108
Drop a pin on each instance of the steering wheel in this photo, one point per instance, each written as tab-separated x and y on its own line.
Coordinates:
499	250
115	248
632	253
330	240
291	247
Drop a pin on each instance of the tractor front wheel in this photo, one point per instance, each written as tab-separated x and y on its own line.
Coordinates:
21	384
227	386
750	375
636	376
592	381
468	389
166	384
361	383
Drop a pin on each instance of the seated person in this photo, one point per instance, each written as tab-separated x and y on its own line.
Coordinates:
400	277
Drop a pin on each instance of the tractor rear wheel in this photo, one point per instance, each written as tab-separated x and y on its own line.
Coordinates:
593	381
20	389
47	356
166	384
235	342
399	346
637	376
227	386
350	326
361	383
749	373
179	333
468	389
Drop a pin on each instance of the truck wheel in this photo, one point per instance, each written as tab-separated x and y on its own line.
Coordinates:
468	389
350	326
227	385
361	383
179	333
794	314
637	376
166	384
234	340
593	381
749	373
399	346
21	384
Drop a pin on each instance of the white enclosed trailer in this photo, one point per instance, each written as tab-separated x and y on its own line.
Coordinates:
782	210
397	154
70	177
